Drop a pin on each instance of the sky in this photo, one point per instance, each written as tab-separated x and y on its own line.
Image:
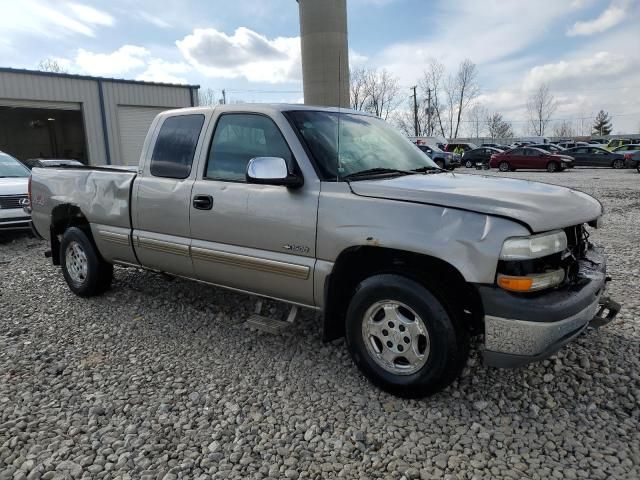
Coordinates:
587	51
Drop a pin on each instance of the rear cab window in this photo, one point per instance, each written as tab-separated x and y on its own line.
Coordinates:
175	146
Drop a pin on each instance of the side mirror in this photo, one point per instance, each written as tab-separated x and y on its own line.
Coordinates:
272	171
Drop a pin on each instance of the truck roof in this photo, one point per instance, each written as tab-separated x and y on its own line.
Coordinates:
264	108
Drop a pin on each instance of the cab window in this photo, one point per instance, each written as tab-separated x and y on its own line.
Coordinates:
237	139
175	146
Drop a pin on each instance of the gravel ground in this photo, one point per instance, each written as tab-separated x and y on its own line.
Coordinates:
161	379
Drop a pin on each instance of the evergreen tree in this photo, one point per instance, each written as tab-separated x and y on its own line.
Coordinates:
602	125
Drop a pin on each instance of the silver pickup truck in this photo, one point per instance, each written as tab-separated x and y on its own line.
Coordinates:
335	211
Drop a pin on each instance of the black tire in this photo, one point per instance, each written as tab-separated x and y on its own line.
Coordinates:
448	339
618	164
468	163
504	166
440	163
99	273
553	167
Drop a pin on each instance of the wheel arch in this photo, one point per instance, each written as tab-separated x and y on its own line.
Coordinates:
64	216
354	264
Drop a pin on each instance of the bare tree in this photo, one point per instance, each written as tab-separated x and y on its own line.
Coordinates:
563	129
466	89
207	97
498	127
432	89
383	90
50	65
477	119
358	88
540	107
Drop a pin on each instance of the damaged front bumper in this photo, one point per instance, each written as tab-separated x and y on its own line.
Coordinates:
520	328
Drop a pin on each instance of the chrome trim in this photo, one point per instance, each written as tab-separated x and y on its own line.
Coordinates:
252	263
162	246
114	237
521	337
122	263
267	168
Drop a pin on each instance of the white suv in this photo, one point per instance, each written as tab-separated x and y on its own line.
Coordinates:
14	179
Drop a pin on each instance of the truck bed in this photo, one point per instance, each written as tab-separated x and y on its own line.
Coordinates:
102	195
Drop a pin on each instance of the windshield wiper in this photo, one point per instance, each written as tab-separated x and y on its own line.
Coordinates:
427	169
377	171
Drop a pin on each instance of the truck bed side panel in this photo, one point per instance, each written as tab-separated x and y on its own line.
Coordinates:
102	195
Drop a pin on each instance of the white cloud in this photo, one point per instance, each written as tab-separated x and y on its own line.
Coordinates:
159	70
91	15
49	19
121	61
245	54
152	19
611	17
574	72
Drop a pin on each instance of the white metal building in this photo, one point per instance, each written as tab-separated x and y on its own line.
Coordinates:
100	121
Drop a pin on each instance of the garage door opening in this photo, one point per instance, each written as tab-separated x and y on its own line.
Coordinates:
27	132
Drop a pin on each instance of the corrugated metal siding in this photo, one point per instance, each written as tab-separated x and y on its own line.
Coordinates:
50	88
122	94
134	122
18	86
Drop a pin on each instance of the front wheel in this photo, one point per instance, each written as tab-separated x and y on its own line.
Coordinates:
618	164
468	164
403	338
440	163
84	270
552	167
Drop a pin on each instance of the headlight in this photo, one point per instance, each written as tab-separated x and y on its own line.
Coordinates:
535	246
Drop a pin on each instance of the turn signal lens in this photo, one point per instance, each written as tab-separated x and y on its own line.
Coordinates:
531	283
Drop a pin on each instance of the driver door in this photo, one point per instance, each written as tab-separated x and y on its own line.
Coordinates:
256	238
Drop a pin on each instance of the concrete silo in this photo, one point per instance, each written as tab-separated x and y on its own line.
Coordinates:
325	52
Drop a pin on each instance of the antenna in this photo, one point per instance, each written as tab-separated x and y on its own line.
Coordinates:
339	114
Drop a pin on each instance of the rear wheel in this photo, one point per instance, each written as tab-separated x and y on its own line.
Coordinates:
84	270
618	163
440	163
403	337
468	163
552	167
504	166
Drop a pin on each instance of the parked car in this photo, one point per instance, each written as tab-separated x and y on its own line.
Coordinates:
494	145
631	154
13	194
527	157
450	147
480	155
590	156
549	147
572	144
51	162
598	141
405	260
618	142
446	160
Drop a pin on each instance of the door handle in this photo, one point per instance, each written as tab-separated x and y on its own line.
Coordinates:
203	202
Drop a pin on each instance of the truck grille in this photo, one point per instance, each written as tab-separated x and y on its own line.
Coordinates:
11	201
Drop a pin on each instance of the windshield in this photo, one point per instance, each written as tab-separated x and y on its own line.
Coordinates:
365	143
10	167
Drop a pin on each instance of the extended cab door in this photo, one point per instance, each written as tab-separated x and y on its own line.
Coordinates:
162	195
256	238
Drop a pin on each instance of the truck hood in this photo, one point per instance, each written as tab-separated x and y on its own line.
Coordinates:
540	206
13	185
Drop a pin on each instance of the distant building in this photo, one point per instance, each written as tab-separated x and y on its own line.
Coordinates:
99	121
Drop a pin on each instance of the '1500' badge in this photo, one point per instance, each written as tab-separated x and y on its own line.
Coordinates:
296	248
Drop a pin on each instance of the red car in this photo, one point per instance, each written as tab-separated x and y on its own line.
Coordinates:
528	157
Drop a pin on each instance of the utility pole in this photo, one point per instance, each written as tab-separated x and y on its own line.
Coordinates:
224	96
415	110
429	129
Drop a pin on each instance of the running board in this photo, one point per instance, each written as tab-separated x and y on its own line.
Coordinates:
271	325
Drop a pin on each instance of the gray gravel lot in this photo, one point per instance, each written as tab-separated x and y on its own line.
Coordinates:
160	379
